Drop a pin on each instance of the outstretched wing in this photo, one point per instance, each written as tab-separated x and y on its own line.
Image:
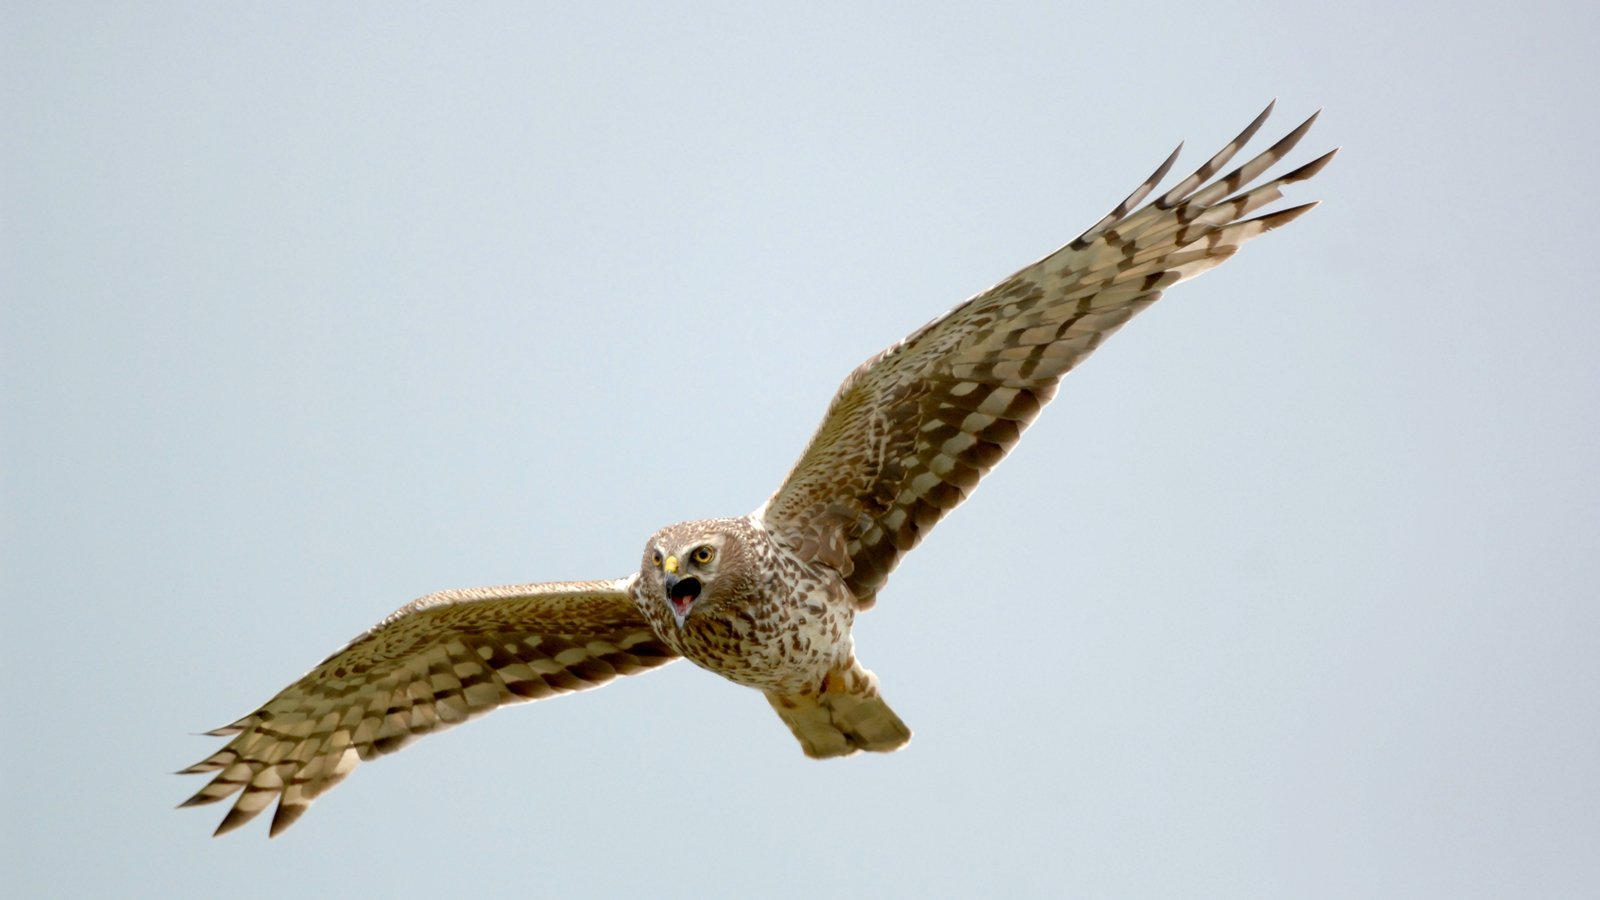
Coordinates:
433	663
912	430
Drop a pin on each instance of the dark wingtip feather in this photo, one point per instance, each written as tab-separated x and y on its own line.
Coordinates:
199	799
1309	169
1284	216
1166	165
287	814
234	819
1287	142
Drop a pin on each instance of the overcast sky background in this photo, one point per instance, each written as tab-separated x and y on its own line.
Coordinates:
309	309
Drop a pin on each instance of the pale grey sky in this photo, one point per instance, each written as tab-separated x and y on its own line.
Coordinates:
309	309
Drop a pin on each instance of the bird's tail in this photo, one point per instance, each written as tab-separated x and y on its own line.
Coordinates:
846	715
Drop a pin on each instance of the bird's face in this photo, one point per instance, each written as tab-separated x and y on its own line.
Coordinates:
684	566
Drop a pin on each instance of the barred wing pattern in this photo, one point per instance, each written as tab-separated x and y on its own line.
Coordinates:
912	430
433	663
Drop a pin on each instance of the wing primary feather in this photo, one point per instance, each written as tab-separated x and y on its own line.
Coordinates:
1282	217
1214	164
1246	173
1127	205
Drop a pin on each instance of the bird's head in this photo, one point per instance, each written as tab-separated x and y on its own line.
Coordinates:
689	567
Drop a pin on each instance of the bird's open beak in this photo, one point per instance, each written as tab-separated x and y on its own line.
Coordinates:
681	594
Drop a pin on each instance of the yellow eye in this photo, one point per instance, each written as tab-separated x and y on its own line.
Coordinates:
656	559
702	555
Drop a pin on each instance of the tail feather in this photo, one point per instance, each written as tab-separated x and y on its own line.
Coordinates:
845	716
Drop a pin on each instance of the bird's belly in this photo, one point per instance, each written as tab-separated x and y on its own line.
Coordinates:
787	649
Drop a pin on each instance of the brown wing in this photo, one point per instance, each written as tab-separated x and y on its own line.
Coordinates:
912	430
432	664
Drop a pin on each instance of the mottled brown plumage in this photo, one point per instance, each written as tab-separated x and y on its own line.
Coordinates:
433	663
766	600
913	429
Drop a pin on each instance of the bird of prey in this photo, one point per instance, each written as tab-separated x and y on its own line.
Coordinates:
767	600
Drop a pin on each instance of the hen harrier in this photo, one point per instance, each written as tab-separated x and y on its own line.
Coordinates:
766	600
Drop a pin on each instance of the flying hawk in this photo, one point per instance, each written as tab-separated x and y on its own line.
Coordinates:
767	599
